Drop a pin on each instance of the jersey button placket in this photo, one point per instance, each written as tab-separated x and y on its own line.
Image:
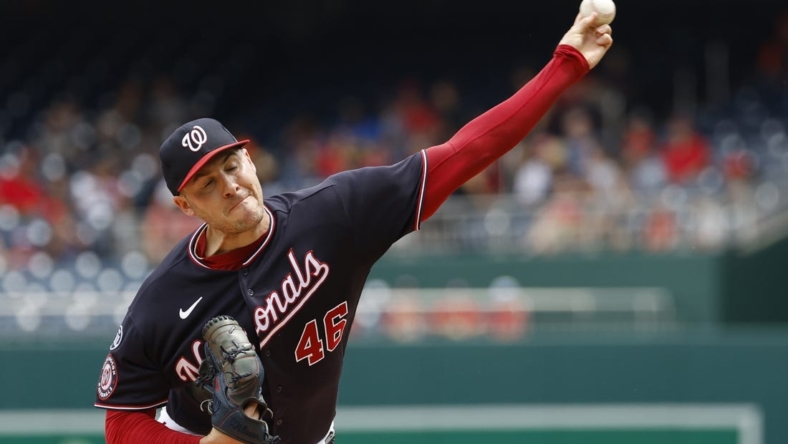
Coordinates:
279	389
279	422
244	271
250	292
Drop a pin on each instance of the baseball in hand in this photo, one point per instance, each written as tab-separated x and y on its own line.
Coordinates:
605	9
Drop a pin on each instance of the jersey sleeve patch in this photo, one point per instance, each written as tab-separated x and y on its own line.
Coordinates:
109	378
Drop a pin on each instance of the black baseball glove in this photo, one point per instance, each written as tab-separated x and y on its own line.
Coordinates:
233	374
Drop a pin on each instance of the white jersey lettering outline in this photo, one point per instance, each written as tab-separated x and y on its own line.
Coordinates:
185	369
279	302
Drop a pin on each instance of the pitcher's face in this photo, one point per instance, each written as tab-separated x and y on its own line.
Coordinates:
225	193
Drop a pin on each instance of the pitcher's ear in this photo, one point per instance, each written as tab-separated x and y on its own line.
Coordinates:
183	204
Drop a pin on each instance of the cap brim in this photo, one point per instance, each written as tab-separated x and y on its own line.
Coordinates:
207	158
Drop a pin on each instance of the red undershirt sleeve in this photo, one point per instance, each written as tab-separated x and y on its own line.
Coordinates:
123	427
486	138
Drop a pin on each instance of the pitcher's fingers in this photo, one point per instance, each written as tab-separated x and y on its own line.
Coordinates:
604	29
605	40
587	22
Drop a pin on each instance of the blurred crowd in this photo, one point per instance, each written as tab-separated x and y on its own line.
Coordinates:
596	171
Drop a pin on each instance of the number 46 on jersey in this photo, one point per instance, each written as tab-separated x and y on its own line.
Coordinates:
310	346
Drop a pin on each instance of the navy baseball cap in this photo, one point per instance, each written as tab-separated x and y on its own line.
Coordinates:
190	147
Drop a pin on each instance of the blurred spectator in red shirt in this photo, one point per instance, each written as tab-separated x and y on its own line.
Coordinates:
18	187
686	151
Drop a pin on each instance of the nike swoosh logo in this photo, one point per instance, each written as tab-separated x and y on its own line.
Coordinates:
185	314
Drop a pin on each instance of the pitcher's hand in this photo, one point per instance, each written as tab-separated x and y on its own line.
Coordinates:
591	40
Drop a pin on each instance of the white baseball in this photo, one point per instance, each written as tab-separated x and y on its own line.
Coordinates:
605	9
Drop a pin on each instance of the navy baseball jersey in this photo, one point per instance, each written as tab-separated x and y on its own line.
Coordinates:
296	294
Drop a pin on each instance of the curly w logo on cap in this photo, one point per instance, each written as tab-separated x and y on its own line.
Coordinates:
195	138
